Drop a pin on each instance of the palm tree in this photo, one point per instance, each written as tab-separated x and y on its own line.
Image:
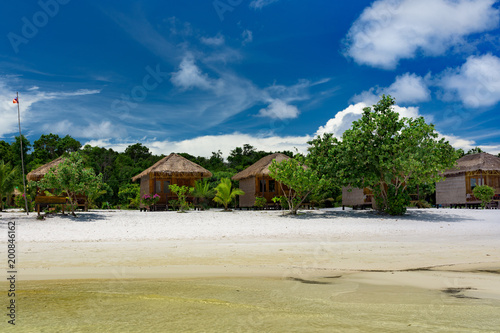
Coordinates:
202	191
7	182
225	194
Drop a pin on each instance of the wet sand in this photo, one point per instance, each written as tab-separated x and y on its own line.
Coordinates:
444	257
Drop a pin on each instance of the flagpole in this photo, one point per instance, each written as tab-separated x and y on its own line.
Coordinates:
22	154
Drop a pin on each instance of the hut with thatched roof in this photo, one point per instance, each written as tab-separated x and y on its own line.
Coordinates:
469	172
173	169
256	182
39	173
42	199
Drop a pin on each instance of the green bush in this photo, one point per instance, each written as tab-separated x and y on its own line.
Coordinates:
396	203
484	193
260	202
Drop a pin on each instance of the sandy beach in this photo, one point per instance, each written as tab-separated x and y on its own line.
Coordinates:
444	251
131	244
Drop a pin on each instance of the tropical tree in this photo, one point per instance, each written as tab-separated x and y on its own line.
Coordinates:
182	193
129	195
225	193
204	192
386	153
70	178
299	180
484	193
7	182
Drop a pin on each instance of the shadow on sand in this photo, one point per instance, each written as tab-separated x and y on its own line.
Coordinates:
423	215
80	217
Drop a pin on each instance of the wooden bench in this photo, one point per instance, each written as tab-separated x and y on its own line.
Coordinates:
49	200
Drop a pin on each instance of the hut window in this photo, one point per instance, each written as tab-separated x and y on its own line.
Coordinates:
272	186
476	182
166	185
158	186
262	185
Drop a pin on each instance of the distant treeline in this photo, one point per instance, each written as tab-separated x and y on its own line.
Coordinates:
118	168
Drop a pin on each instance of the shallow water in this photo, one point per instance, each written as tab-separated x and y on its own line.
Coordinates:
245	305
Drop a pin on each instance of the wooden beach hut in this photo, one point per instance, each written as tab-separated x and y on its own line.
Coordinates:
256	182
43	199
469	172
357	198
173	169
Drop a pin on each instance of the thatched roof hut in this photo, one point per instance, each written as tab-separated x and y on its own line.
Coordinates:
469	172
174	165
481	161
40	172
256	182
173	169
261	167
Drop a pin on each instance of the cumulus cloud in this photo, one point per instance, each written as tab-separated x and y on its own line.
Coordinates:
278	109
259	4
390	30
205	145
476	83
407	88
190	76
343	120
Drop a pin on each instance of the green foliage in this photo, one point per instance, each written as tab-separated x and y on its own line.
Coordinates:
484	193
70	178
203	192
7	182
421	204
129	195
281	200
475	150
395	203
300	180
260	202
386	153
225	193
182	193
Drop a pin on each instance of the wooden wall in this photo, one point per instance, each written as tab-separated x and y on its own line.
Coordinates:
248	186
353	198
451	191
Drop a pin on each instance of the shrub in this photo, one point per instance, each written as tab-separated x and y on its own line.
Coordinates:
260	202
484	193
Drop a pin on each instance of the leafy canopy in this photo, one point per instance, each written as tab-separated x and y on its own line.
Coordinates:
300	181
70	178
387	153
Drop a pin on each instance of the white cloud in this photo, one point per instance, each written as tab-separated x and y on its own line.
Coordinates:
343	120
467	144
190	76
259	4
278	109
205	145
476	83
390	30
33	95
104	129
213	41
408	88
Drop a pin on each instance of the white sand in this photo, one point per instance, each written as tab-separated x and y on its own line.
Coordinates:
131	244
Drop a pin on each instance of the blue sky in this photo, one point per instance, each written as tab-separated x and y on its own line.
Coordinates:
197	76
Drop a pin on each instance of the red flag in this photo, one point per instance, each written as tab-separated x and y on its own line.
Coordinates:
15	101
